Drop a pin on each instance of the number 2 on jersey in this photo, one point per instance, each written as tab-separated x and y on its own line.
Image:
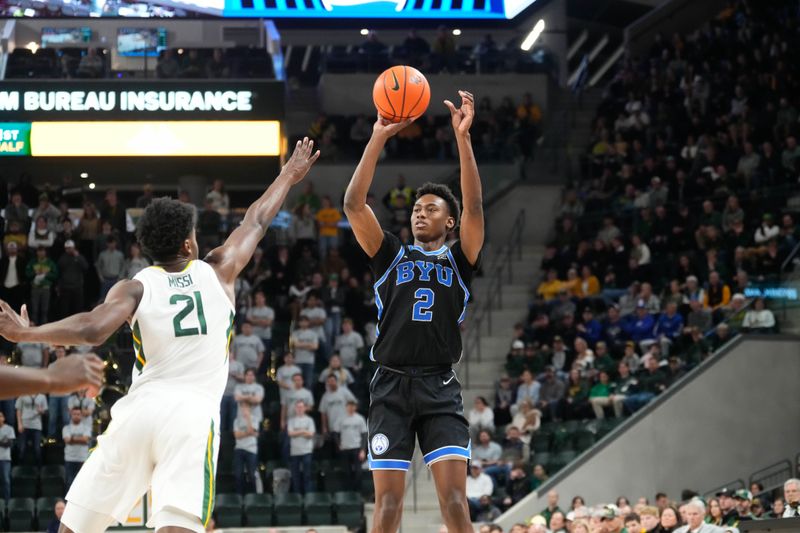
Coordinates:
421	311
188	307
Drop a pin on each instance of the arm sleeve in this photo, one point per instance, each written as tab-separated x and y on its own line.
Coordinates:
383	258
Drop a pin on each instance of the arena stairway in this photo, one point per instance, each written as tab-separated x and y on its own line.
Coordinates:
539	203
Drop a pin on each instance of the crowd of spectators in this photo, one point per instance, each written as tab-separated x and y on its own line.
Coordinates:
299	362
722	512
677	222
503	131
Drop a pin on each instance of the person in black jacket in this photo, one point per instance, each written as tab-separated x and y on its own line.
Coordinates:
72	266
12	277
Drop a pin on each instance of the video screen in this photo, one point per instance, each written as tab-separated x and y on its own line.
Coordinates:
140	42
65	36
286	9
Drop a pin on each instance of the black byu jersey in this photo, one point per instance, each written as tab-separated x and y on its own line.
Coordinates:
421	299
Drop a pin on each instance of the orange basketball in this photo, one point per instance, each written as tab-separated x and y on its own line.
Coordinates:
401	92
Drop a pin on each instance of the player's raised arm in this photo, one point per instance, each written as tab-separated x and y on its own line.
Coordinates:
471	233
68	374
362	219
92	328
230	259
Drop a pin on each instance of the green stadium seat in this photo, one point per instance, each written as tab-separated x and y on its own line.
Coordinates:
336	481
561	439
583	439
560	460
20	512
45	510
368	487
540	442
319	508
24	481
52	481
288	510
228	510
258	510
542	458
349	507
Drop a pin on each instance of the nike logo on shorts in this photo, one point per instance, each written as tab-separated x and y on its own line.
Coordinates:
449	380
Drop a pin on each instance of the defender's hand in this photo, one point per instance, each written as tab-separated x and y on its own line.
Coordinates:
12	324
76	372
462	117
300	163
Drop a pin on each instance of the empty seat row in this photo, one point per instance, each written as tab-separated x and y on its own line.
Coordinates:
316	508
27	514
31	481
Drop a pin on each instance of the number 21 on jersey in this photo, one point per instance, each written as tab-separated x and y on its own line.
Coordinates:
189	304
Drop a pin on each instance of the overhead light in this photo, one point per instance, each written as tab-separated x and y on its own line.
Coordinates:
92	185
537	30
364	31
456	32
84	175
32	46
180	51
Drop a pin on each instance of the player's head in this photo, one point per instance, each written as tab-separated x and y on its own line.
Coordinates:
166	230
435	213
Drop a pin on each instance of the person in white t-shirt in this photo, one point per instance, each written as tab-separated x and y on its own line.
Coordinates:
261	316
348	345
285	372
758	319
76	437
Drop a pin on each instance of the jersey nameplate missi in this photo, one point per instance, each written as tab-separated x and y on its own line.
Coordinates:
423	270
180	282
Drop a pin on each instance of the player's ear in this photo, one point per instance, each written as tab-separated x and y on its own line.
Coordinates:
450	224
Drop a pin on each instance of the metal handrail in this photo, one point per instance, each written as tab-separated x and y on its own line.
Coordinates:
789	258
736	484
499	270
781	469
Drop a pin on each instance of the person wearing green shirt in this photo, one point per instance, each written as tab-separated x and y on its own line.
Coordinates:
600	396
552	506
42	273
603	360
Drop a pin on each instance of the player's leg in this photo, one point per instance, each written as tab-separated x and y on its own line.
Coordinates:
390	486
443	434
450	478
78	519
390	446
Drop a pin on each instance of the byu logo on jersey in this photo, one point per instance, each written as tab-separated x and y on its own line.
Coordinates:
408	270
380	443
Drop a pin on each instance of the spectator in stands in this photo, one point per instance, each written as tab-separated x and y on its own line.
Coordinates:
76	436
552	506
744	500
728	506
261	316
600	396
42	274
135	262
416	49
372	48
71	267
58	512
245	453
504	398
17	211
487	452
285	373
348	345
333	405
86	405
529	389
57	404
695	512
147	193
350	433
192	65
216	66
12	274
791	498
528	420
305	342
301	430
229	407
699	317
759	319
41	234
551	393
110	266
669	327
220	201
91	65
298	393
250	393
443	51
669	519
478	484
29	424
248	348
328	218
7	438
481	417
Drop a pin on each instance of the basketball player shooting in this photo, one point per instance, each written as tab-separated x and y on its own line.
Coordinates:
164	435
421	294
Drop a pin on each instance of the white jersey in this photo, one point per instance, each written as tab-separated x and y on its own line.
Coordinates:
182	331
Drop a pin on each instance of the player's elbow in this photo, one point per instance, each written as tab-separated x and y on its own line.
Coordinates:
92	334
352	204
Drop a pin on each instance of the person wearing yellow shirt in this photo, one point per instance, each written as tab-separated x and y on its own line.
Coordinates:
588	285
550	287
328	218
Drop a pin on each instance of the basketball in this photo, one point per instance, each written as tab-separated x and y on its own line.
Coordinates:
401	92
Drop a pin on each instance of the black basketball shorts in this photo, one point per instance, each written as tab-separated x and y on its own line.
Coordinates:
414	403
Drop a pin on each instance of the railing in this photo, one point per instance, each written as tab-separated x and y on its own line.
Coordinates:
497	273
736	484
774	475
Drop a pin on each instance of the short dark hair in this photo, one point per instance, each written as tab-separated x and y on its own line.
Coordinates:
443	192
631	517
165	224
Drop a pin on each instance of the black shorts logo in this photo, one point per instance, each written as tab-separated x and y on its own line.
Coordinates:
379	444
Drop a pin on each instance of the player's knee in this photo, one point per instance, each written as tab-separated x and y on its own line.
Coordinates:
389	507
454	502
